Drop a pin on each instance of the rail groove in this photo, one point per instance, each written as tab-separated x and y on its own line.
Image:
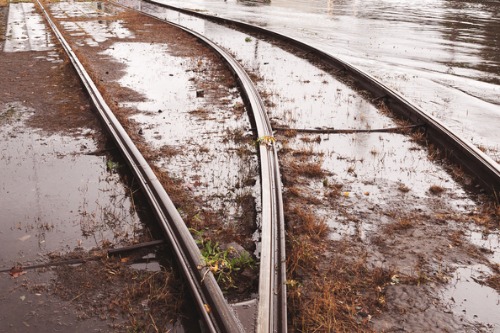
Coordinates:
477	163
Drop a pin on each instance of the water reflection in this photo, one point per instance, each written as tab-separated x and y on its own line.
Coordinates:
443	56
471	23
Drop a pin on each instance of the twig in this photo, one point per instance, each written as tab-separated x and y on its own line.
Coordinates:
348	131
110	252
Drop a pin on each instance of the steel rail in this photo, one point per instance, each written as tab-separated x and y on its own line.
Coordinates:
477	163
214	310
272	305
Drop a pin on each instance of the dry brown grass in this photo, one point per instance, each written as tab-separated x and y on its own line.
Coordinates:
110	289
457	237
316	139
494	281
343	299
305	153
403	223
294	191
308	169
305	222
169	151
290	133
436	189
346	294
304	239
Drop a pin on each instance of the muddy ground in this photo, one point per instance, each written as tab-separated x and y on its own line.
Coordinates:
54	146
374	242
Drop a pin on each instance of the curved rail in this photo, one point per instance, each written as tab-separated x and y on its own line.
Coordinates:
215	312
474	160
272	307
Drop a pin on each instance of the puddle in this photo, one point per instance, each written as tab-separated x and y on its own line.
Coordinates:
371	170
99	31
60	198
173	117
26	30
488	241
173	91
36	310
93	32
68	200
83	9
297	93
467	297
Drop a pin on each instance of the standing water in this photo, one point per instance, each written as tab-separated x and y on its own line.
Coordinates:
443	56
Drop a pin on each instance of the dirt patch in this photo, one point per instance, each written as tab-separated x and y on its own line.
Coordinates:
357	275
137	300
62	107
3	19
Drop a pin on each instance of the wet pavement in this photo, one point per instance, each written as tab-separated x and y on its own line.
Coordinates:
25	30
89	207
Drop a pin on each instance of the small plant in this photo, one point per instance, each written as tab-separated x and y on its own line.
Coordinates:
112	166
402	224
224	264
266	140
248	39
7	114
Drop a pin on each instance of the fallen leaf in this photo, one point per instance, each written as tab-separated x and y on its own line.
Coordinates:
16	271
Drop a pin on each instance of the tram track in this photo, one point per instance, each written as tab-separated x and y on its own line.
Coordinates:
206	292
477	163
272	291
217	314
